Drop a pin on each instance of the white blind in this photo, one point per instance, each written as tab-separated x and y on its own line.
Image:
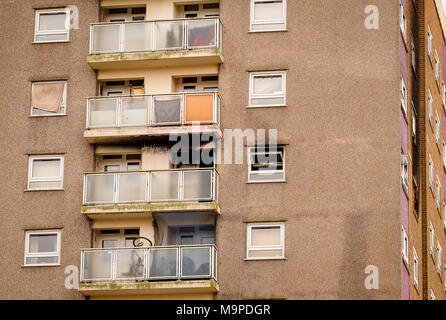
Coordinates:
269	10
267	84
265	236
52	21
46	168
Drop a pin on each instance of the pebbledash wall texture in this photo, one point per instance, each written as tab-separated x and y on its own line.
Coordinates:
344	132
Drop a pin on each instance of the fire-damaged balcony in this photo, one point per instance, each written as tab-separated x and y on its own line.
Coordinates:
152	263
148	44
171	255
147	192
123	118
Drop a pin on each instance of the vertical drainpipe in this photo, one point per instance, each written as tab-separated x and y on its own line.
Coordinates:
422	141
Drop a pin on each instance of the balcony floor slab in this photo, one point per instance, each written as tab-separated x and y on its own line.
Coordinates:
126	134
144	210
188	288
157	59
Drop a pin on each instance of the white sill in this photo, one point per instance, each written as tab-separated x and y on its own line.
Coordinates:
47	115
265	259
265	181
269	30
58	41
33	190
40	265
267	106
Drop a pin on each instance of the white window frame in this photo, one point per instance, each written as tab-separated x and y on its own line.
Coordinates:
437	68
437	129
403	96
431	173
52	32
429	42
415	268
414	124
430	102
404	246
438	195
63	104
45	179
444	154
432	240
258	248
252	96
443	94
405	160
42	254
413	53
267	22
439	257
250	150
444	216
403	21
433	297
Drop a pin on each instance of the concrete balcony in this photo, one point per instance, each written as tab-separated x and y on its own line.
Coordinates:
141	193
128	118
154	44
151	271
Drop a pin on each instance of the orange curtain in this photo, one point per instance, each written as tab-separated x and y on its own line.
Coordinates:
199	108
47	96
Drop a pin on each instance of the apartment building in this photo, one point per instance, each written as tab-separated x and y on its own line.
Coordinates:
97	94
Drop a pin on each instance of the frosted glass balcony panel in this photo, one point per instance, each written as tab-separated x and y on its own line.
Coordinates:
103	112
138	37
97	265
164	186
106	38
169	35
201	33
100	188
198	185
134	111
132	187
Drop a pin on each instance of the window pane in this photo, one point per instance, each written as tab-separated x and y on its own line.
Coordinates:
45	184
52	21
46	168
267	101
42	243
265	236
52	37
109	243
270	10
267	84
268	26
41	260
264	253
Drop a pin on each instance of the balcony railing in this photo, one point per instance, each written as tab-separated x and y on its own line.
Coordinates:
176	109
149	264
188	185
144	36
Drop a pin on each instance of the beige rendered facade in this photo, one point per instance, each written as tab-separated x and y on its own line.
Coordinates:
85	184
